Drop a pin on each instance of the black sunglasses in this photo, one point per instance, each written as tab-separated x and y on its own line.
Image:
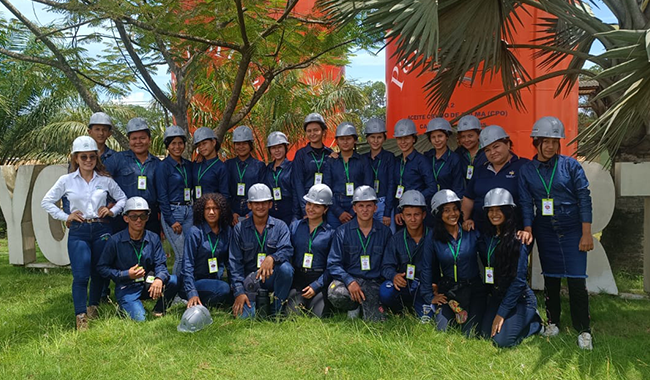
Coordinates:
142	217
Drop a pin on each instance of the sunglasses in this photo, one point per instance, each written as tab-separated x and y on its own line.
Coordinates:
142	217
88	157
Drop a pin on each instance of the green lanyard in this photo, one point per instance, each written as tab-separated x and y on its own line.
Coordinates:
346	167
471	160
435	173
213	247
141	166
408	250
318	163
313	235
455	254
276	176
550	182
376	170
263	242
138	255
241	174
364	246
402	165
491	250
183	174
206	169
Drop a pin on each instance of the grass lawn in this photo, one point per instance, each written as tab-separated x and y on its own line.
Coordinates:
38	340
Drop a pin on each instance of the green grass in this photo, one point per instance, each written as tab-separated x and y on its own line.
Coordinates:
38	340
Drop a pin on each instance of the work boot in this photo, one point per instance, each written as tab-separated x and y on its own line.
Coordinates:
82	322
92	312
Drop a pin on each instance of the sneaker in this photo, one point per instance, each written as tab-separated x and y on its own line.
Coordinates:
585	341
354	314
550	330
82	322
92	312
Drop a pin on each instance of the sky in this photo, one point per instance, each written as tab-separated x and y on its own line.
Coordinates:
364	66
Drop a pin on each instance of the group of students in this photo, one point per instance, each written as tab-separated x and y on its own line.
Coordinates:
333	230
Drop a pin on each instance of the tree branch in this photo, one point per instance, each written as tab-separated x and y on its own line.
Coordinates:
29	58
287	11
224	124
242	23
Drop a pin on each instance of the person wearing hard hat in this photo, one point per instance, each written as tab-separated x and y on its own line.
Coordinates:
511	312
458	295
310	161
100	128
402	263
355	259
260	255
243	171
174	187
277	176
382	163
467	134
412	170
501	170
311	239
446	164
556	204
135	171
86	187
344	174
134	259
209	172
206	253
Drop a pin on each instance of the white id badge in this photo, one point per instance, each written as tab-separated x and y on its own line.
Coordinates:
150	279
212	265
307	260
318	178
547	207
399	192
187	194
410	272
142	182
241	189
470	172
489	275
260	259
198	192
377	186
140	279
349	189
365	262
277	194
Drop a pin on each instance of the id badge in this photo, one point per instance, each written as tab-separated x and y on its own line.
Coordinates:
489	275
349	189
410	272
307	260
377	186
365	262
187	194
260	259
277	194
140	279
318	178
547	207
399	192
241	189
470	172
142	182
212	265
150	279
198	192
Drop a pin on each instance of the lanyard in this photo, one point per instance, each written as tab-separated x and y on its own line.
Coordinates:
213	247
402	165
318	163
376	170
141	166
183	174
313	235
408	250
435	173
241	174
550	182
263	242
491	250
364	247
455	254
276	176
346	167
138	255
471	159
206	169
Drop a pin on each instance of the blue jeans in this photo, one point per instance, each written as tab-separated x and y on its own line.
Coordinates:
379	214
521	322
406	296
183	214
129	296
279	283
212	291
86	243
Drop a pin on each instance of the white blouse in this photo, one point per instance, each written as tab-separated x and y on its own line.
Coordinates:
87	197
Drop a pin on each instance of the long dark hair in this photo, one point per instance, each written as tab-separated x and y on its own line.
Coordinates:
225	215
439	231
506	253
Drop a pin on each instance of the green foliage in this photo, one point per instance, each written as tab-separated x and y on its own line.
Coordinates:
375	106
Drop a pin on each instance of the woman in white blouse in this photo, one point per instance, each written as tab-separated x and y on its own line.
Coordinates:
86	187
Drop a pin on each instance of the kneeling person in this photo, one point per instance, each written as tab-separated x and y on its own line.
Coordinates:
134	259
355	259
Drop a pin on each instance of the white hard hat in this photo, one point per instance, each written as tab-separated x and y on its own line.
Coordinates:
314	118
173	131
439	124
242	134
374	125
203	133
84	144
137	204
405	127
498	197
442	197
194	319
320	194
490	134
276	138
548	126
469	123
136	124
412	198
259	192
364	193
100	118
346	129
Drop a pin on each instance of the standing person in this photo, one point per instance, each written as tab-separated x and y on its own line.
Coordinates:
413	171
310	161
446	165
174	188
260	255
382	163
206	252
311	239
277	176
403	257
355	260
472	157
557	188
243	171
134	259
135	171
511	312
501	170
86	188
100	128
459	293
209	172
344	174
